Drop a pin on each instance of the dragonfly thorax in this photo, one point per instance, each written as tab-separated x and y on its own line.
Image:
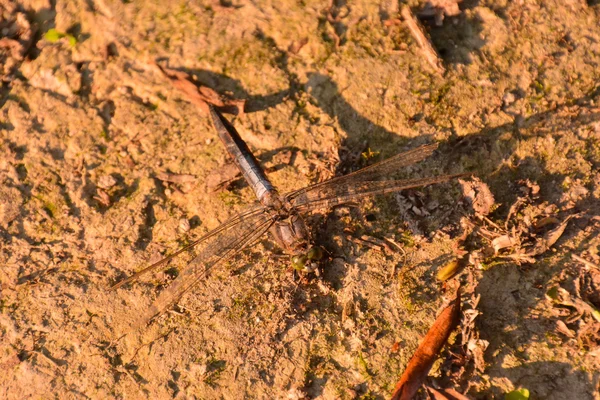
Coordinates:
291	234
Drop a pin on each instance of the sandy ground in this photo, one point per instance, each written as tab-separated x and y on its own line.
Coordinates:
87	125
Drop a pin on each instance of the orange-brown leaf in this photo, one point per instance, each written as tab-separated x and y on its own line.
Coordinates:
202	96
419	365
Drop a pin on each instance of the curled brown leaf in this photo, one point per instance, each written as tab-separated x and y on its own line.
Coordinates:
548	240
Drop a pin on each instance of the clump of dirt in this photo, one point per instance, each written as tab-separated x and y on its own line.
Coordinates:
105	167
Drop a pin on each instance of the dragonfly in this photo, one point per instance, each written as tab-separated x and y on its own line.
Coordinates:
283	216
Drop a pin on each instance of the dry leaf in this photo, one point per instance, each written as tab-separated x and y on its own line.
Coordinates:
479	195
419	365
202	96
451	269
543	244
545	221
562	328
502	242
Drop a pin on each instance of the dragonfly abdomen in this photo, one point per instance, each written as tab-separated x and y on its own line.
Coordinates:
244	159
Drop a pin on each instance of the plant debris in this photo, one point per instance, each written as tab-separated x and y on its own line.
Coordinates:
485	242
419	365
297	45
585	262
576	301
201	95
334	14
102	197
464	358
438	9
418	33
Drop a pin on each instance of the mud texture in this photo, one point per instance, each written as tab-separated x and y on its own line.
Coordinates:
88	123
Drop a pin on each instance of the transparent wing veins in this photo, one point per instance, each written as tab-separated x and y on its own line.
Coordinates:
225	246
232	222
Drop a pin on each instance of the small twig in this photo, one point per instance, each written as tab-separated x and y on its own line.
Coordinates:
492	223
420	36
404	257
584	261
163	336
366	243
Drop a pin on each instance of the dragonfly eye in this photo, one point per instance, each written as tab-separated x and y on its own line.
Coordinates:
315	253
299	262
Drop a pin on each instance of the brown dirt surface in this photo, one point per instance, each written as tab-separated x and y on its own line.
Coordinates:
89	124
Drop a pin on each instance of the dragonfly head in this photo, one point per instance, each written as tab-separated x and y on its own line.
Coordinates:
307	261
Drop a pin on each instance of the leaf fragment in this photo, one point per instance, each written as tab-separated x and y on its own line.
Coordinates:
519	394
503	242
551	237
53	36
451	269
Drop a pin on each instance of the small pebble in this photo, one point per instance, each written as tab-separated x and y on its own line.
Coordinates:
508	98
184	225
106	182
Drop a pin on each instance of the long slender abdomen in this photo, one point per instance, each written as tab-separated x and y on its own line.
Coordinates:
243	158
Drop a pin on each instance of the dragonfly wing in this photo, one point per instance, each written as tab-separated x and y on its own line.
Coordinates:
250	212
222	247
381	170
350	191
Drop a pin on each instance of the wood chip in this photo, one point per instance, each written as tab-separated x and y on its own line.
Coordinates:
422	39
